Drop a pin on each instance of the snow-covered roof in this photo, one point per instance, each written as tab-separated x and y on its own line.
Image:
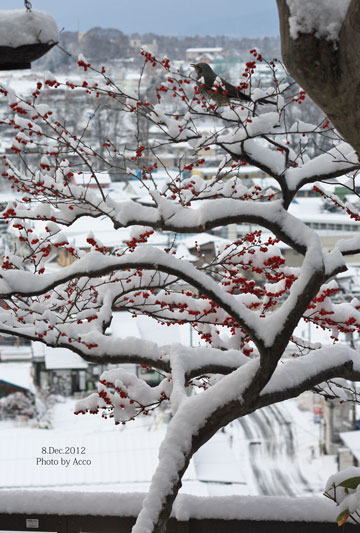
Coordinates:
15	353
121	459
146	328
102	229
19	374
204	50
61	359
351	439
85	179
182	252
58	358
311	210
135	187
238	171
204	238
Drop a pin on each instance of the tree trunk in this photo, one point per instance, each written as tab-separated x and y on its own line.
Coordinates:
329	72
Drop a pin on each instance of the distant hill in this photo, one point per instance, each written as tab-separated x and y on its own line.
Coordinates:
101	46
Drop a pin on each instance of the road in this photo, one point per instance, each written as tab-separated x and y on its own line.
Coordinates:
271	444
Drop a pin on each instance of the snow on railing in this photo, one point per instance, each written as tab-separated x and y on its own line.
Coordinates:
272	508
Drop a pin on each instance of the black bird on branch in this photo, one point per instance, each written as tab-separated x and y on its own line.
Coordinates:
219	90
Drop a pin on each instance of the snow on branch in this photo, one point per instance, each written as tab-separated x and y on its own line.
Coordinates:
206	242
332	164
297	375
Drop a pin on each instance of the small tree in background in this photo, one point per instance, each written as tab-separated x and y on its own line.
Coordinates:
17	405
244	303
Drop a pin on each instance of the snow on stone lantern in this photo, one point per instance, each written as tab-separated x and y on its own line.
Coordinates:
25	35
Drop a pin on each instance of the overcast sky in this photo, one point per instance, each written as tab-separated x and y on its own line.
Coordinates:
244	18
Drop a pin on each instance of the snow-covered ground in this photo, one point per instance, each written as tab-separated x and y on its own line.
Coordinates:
274	451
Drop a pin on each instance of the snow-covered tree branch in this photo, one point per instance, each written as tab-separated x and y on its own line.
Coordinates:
244	302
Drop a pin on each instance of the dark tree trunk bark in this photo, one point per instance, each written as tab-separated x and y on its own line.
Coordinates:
329	72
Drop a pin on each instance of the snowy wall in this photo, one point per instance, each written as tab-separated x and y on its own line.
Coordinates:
312	509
